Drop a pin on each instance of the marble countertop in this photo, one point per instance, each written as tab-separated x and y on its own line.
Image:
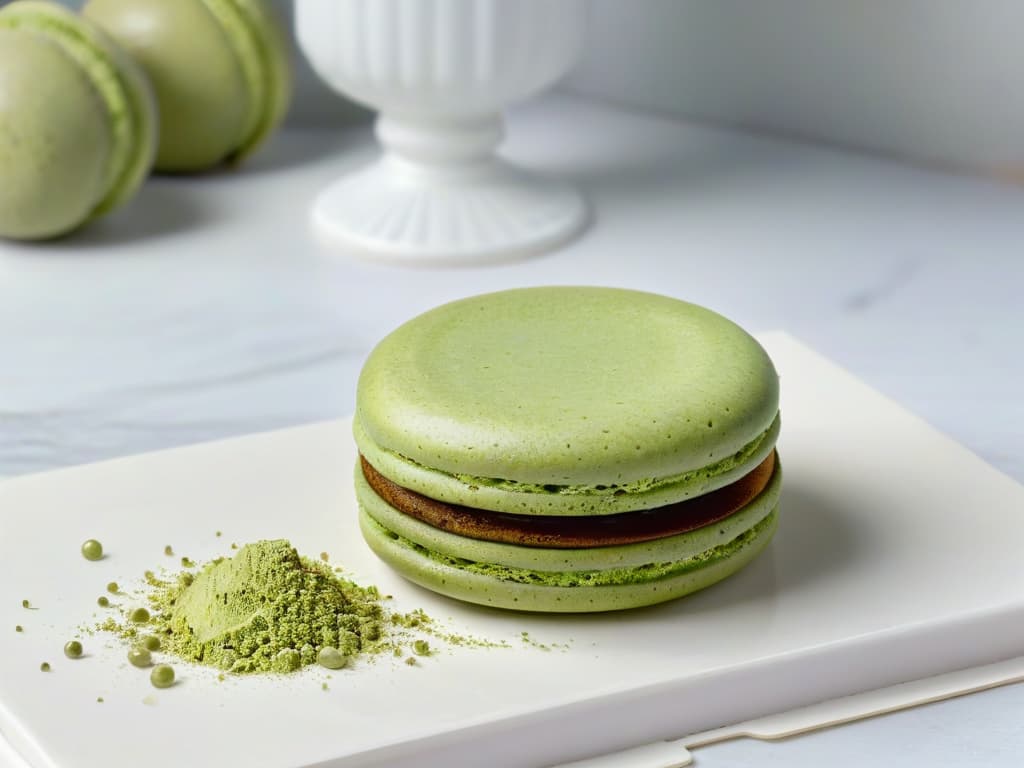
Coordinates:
207	309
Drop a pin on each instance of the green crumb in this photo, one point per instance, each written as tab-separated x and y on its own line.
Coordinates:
411	661
286	660
99	699
148	576
233	545
331	658
112	588
18	628
139	615
323	687
221	678
26	604
92	550
324	556
421	648
44	667
187	563
103	601
73	649
169	550
162	676
219	534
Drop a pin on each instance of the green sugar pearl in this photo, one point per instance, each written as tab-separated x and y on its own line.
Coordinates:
150	643
162	676
112	588
92	549
331	658
140	657
44	667
138	615
102	601
73	649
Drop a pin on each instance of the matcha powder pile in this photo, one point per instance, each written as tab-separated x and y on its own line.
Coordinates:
265	610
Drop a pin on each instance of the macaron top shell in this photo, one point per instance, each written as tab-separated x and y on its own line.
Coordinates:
69	100
566	386
220	70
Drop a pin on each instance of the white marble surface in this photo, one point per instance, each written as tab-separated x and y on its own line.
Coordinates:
207	309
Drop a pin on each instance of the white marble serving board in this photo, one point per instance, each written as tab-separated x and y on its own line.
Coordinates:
898	557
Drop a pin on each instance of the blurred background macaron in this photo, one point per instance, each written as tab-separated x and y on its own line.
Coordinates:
77	122
220	70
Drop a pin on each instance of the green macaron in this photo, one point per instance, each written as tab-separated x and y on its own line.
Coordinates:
220	70
568	448
77	122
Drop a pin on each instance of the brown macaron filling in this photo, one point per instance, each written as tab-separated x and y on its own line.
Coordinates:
573	532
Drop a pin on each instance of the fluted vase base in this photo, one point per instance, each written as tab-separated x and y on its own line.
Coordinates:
471	214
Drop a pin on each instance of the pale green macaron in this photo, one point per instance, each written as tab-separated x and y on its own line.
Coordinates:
220	70
77	122
567	402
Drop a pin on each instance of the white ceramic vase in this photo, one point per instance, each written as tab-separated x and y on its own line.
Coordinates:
439	72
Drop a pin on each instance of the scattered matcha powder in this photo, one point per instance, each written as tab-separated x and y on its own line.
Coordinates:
266	609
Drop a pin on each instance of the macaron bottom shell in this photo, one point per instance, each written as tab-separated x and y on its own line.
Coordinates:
629	587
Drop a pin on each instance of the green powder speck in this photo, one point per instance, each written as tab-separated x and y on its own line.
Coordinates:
19	628
169	550
26	604
187	563
44	667
99	699
411	661
421	648
219	534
